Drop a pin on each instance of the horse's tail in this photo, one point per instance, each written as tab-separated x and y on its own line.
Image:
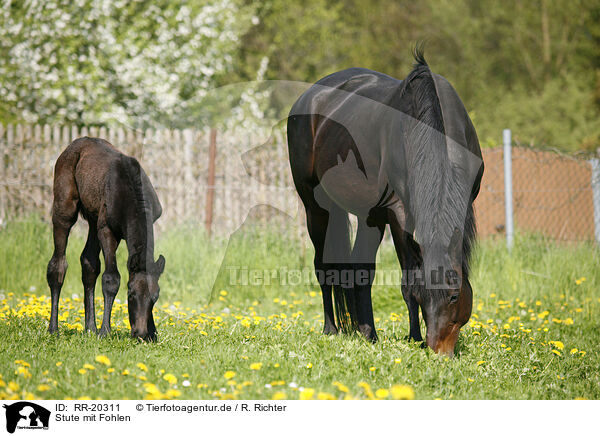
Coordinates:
337	245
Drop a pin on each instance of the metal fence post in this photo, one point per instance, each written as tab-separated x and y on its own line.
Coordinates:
595	163
508	194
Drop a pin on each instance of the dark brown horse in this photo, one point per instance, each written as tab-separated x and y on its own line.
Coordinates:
397	153
113	193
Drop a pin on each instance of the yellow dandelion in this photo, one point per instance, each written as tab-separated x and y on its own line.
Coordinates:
104	360
58	363
398	360
172	393
307	394
170	378
402	392
341	387
480	362
43	388
372	369
279	396
82	371
557	344
141	366
367	389
309	365
13	386
88	366
125	372
256	366
470	379
229	374
382	393
325	396
110	370
557	352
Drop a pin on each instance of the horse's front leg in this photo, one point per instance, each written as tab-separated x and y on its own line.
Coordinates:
111	278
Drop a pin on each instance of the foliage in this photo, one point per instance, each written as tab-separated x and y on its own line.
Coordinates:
531	66
133	62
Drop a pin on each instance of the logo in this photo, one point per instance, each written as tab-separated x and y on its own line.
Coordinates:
26	415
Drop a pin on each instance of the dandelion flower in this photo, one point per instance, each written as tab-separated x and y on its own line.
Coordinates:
325	396
480	362
402	392
341	387
58	363
103	359
256	366
125	372
82	371
307	394
229	374
170	378
382	393
141	366
309	365
557	352
43	388
88	366
279	396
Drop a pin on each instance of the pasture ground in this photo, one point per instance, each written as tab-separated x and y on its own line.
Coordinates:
534	332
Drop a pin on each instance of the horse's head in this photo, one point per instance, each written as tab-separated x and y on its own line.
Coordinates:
143	292
447	298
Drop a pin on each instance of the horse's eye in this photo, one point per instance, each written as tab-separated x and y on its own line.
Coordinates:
453	298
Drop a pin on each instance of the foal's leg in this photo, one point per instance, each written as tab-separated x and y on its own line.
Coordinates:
111	278
64	215
364	253
408	253
90	269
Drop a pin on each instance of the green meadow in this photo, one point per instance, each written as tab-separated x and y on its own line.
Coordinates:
534	332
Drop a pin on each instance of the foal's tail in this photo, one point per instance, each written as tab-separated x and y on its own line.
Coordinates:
338	245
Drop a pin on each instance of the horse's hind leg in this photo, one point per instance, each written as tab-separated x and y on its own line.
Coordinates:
316	220
364	254
90	269
410	260
64	215
111	279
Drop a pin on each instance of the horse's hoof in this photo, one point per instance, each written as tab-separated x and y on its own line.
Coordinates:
330	331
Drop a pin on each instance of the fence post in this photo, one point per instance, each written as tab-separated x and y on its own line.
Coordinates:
210	182
508	194
596	196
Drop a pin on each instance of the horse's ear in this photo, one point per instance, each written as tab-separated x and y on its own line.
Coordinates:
160	265
133	263
455	246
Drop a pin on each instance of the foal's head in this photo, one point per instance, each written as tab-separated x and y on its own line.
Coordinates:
143	292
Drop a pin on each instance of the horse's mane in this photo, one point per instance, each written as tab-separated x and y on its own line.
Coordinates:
433	191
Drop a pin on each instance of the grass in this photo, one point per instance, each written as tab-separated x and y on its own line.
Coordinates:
533	333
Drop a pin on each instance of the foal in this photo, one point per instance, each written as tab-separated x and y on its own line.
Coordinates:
113	193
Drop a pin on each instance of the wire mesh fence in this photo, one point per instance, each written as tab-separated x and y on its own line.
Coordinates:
553	193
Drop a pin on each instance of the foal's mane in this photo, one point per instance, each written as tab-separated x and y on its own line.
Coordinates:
142	247
433	187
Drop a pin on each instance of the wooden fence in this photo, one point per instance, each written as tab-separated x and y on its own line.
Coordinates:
249	171
553	193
